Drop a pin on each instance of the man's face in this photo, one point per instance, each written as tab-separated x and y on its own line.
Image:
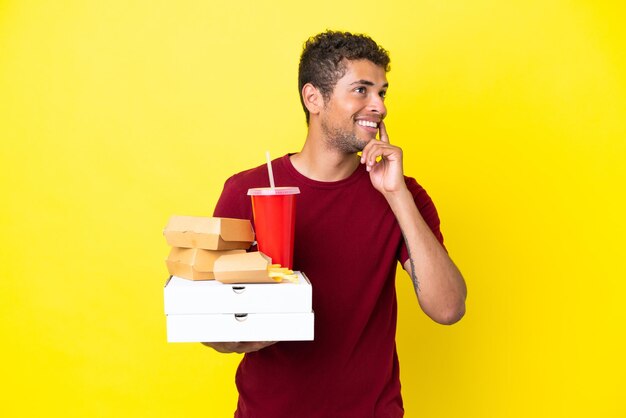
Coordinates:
351	116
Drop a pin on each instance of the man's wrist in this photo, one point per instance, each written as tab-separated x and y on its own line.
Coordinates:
397	197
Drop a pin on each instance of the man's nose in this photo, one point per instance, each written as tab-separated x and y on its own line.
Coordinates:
377	105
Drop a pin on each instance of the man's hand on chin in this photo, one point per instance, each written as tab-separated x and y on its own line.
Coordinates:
239	347
387	174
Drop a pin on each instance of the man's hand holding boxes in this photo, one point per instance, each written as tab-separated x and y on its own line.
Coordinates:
218	292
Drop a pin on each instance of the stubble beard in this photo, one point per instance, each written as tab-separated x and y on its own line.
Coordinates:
344	141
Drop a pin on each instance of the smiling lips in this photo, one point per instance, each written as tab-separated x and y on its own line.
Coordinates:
367	123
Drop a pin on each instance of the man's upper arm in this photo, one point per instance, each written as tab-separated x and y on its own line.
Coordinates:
233	202
427	209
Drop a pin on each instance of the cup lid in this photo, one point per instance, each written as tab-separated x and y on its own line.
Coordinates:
268	191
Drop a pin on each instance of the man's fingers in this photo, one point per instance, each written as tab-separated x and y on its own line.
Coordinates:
382	132
239	347
371	152
256	346
375	149
249	347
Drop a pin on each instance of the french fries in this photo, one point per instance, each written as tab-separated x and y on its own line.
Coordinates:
278	273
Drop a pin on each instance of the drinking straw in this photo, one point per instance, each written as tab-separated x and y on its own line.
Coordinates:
269	169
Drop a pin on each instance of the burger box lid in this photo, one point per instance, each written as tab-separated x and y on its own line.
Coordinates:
194	263
243	268
183	297
209	233
296	326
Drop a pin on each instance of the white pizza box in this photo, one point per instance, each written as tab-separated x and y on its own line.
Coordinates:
182	297
297	326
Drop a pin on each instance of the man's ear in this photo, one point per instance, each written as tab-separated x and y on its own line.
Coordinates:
312	98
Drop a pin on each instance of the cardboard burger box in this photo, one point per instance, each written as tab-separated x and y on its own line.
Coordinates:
211	311
195	263
209	233
243	268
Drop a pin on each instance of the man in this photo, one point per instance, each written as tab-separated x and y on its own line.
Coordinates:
356	217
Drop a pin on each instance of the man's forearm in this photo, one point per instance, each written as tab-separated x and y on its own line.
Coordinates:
438	283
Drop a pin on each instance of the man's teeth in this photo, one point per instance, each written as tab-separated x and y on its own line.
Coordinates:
367	123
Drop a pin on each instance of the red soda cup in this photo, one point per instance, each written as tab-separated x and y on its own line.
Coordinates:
274	211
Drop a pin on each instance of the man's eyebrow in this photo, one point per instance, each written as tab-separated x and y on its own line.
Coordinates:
367	83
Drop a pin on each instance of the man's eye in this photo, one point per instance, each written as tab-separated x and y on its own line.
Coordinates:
383	94
360	89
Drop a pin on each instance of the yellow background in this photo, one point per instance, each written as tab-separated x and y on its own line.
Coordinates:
115	115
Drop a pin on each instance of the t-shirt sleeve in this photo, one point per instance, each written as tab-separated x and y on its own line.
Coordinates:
428	211
234	201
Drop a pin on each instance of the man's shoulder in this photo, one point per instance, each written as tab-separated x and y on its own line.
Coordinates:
252	177
234	201
257	176
421	197
413	185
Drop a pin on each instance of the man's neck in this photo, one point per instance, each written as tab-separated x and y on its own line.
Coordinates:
319	162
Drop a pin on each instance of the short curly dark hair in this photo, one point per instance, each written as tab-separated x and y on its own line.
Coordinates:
322	62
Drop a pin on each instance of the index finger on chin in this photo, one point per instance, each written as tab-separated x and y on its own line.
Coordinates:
366	150
384	137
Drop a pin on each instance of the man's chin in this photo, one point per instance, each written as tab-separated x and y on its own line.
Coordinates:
349	144
361	143
357	146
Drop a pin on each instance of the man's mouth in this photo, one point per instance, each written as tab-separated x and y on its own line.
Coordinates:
367	123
